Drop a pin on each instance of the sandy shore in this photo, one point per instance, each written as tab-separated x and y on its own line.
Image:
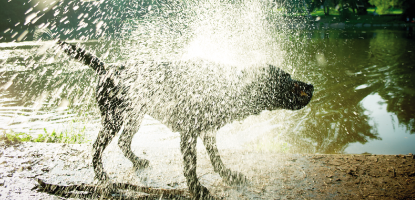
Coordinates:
270	175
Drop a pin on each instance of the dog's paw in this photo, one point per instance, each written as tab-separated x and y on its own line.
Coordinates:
141	163
233	178
201	192
102	176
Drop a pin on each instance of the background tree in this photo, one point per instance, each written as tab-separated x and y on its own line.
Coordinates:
408	7
382	6
329	4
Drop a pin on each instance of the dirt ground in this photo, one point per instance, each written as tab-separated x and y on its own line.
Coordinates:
270	176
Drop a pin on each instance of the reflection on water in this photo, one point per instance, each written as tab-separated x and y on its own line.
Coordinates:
37	93
394	135
356	64
363	102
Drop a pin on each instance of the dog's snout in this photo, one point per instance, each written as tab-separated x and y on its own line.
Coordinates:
303	93
308	90
303	89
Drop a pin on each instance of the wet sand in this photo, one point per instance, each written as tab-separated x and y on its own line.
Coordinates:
270	175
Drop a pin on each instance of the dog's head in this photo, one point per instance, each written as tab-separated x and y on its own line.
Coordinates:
283	92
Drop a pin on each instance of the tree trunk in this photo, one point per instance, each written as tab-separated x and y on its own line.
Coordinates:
328	10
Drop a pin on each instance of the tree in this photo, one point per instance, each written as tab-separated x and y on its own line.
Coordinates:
408	7
327	4
383	5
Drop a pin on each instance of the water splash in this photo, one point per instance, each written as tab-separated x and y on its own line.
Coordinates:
234	35
237	33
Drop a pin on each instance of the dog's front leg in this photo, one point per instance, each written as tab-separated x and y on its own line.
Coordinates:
209	140
188	148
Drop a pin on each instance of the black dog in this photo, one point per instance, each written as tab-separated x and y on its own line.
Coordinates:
191	98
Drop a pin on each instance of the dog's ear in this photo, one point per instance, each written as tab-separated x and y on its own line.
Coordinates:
274	70
271	66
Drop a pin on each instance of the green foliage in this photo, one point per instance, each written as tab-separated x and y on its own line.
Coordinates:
48	137
348	8
335	16
320	12
395	11
14	138
63	137
383	6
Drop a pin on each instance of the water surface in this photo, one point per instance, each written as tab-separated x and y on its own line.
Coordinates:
363	102
364	80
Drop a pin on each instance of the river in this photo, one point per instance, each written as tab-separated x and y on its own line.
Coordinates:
363	101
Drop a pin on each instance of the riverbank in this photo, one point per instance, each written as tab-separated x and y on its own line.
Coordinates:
270	175
343	25
365	21
337	22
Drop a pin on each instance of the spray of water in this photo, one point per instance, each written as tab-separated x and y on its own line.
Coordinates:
214	50
235	33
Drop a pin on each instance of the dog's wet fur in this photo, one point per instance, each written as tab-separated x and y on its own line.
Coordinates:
192	98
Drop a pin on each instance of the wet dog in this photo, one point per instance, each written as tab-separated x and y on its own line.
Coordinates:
192	98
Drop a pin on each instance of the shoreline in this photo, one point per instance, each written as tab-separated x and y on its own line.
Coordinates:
327	24
270	175
345	25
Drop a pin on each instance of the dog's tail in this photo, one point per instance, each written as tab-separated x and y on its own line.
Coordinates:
83	56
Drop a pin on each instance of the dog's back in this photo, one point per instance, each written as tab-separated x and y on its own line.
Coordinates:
186	96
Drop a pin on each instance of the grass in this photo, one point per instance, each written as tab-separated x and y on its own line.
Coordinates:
48	137
334	12
320	12
393	11
391	17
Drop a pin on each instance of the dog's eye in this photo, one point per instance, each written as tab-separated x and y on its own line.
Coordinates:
297	90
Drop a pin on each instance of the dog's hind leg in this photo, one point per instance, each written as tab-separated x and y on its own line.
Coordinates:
188	149
124	142
105	135
227	175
